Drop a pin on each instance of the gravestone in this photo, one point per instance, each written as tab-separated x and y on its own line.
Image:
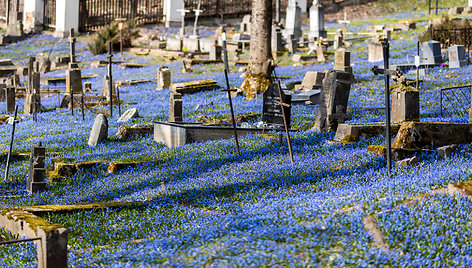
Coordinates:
128	115
293	23
292	44
246	24
332	109
215	52
163	77
405	104
457	56
33	96
276	43
175	107
11	99
320	49
99	131
312	80
342	60
192	44
317	22
73	79
37	170
432	52
14	20
338	39
271	111
87	87
3	92
375	50
106	86
175	44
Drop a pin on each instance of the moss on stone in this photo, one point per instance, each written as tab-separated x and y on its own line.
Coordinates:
376	149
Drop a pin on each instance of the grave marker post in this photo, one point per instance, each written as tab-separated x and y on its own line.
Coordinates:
197	13
110	82
182	27
72	45
282	105
7	169
229	90
386	55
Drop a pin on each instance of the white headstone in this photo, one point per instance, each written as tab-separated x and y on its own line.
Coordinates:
293	23
67	17
128	115
171	15
33	14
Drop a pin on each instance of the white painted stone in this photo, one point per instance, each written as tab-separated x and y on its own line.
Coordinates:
67	17
128	115
171	15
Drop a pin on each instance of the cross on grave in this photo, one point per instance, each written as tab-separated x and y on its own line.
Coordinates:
344	22
13	123
197	13
72	40
182	27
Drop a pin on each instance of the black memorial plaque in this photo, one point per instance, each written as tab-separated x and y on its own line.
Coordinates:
271	111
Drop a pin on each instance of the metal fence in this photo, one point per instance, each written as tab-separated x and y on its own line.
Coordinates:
95	14
455	101
49	14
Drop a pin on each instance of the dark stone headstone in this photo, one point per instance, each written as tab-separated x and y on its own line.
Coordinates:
215	52
271	111
175	107
432	52
73	79
333	101
3	92
276	43
11	99
99	131
33	97
37	170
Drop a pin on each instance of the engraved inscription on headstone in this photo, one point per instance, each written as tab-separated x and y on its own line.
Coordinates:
271	111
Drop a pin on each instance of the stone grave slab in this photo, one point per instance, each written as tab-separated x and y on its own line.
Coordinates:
350	132
194	86
128	115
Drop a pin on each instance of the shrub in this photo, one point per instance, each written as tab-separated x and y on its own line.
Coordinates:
111	33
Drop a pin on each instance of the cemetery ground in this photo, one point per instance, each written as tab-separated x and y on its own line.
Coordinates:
203	204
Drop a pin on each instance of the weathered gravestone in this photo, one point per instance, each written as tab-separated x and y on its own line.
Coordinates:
73	79
276	42
432	52
176	44
37	170
342	60
99	131
293	23
10	99
271	111
14	20
192	44
175	107
457	56
246	24
163	77
312	80
405	104
375	50
292	44
332	109
3	92
215	52
106	86
338	39
317	21
33	96
128	115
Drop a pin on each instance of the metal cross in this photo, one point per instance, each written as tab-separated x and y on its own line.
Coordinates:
197	13
182	29
344	22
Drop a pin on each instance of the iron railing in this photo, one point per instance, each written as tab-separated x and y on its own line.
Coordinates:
455	101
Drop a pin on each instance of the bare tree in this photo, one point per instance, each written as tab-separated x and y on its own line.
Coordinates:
258	75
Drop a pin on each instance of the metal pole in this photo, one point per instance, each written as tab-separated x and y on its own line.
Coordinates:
436	7
417	67
83	105
7	169
387	102
282	106
429	7
121	42
228	91
110	81
119	101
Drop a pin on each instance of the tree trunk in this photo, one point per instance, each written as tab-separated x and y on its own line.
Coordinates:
258	75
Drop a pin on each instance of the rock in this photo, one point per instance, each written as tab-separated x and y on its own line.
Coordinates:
99	131
128	115
461	187
446	151
413	161
349	133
